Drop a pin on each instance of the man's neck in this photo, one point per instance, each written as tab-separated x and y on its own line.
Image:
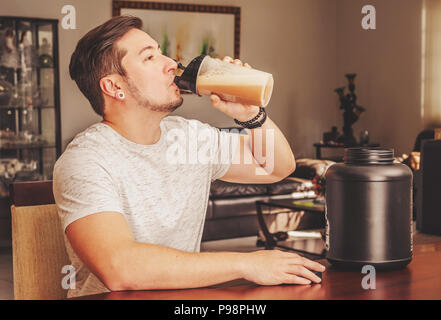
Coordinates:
141	127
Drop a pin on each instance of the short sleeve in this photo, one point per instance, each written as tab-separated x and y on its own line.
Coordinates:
82	186
224	151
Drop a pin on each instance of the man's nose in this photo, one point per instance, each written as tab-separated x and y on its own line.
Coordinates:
171	65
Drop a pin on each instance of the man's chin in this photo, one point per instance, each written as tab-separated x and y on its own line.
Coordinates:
178	103
170	107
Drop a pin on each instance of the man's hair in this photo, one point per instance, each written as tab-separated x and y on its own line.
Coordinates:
96	56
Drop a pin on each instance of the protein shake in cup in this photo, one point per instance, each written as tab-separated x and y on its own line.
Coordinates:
205	76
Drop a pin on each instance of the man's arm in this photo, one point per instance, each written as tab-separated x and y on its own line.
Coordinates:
263	155
103	241
271	156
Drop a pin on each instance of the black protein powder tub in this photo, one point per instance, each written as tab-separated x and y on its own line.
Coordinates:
369	210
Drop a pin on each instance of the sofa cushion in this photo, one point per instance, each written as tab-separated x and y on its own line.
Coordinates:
231	227
239	206
289	185
221	189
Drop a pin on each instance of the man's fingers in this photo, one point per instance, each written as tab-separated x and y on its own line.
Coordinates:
217	102
236	62
312	265
293	279
304	273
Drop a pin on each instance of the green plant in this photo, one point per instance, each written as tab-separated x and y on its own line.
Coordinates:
165	44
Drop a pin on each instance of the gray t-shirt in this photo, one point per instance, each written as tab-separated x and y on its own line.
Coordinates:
162	189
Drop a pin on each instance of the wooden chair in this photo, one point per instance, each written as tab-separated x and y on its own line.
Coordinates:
38	249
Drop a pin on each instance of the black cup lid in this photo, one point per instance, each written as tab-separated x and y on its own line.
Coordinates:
370	155
187	81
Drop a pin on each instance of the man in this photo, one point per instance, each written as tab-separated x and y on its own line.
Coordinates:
132	218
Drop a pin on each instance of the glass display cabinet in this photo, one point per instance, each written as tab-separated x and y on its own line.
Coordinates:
29	102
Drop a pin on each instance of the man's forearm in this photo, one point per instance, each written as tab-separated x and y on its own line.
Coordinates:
146	266
279	158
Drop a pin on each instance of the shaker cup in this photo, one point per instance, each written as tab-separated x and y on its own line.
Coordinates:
205	76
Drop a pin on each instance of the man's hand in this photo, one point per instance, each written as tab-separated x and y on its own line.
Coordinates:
274	267
241	112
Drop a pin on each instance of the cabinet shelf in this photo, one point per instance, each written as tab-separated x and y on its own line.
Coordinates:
27	146
3	107
26	71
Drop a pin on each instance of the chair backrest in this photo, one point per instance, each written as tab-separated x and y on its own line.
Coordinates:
38	249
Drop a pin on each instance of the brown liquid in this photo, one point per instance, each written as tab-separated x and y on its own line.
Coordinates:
253	94
241	94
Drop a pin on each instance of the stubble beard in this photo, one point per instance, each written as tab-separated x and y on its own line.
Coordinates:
146	103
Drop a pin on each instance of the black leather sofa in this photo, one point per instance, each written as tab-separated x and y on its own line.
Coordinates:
231	208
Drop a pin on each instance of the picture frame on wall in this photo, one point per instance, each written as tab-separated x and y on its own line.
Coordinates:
185	31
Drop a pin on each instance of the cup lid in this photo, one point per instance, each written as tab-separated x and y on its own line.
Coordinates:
187	81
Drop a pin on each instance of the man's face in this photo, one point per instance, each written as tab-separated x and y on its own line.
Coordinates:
149	74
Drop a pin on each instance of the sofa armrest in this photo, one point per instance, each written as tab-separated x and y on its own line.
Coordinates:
309	168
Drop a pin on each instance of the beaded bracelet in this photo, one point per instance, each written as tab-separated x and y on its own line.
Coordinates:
244	123
252	124
258	123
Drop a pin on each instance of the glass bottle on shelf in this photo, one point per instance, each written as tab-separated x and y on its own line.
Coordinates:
9	55
26	92
6	91
14	101
45	59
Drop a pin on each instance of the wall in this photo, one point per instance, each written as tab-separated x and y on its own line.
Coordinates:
292	39
388	63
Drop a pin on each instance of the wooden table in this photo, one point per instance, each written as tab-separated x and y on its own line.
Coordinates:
420	280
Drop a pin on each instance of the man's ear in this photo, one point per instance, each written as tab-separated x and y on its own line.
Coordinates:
110	85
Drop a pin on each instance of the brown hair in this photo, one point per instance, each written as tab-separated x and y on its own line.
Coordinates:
96	56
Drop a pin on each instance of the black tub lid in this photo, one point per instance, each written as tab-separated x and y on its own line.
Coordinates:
368	155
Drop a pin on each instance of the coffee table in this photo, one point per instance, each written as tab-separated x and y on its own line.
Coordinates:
293	244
